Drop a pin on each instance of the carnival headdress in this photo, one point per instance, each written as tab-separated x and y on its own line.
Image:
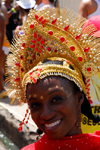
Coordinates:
55	35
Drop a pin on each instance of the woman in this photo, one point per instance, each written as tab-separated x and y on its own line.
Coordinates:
47	3
51	69
87	124
5	51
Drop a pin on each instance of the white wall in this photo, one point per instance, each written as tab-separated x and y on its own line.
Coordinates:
71	4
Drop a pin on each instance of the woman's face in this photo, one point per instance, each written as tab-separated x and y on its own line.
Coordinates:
54	106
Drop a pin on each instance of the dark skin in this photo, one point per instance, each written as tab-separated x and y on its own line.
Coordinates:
87	8
54	106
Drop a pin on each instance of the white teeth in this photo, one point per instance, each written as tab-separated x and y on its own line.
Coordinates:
52	124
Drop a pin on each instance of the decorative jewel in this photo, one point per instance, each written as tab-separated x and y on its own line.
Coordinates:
72	48
54	21
33	41
34	80
17	64
49	49
62	39
80	59
35	35
77	37
66	28
50	32
21	57
36	16
86	49
32	26
17	79
23	45
40	19
43	22
42	42
32	46
89	69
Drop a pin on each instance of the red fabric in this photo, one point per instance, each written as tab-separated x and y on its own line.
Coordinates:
76	142
96	21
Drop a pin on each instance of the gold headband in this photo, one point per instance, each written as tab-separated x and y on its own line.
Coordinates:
45	35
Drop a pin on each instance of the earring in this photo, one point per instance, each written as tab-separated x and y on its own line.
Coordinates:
25	120
78	122
38	132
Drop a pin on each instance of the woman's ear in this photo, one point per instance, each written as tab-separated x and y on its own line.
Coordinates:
80	98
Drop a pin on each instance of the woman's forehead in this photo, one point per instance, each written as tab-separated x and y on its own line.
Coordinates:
50	82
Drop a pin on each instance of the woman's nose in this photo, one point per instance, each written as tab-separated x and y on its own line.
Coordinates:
47	113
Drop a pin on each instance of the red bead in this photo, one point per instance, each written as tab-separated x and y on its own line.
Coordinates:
42	42
40	50
17	64
33	41
88	85
32	46
20	129
72	48
54	21
21	124
23	45
41	47
38	45
39	38
36	16
36	49
77	37
55	51
26	122
32	26
43	22
88	93
40	19
35	35
31	77
86	49
50	32
89	69
40	69
66	28
26	110
38	74
17	79
90	102
49	49
30	73
62	39
88	80
21	57
33	56
80	58
34	80
22	69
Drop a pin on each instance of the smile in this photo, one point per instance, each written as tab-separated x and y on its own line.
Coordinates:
54	124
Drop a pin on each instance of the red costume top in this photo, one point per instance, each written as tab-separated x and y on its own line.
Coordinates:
75	142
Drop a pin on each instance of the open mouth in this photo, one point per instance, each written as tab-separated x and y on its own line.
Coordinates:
52	126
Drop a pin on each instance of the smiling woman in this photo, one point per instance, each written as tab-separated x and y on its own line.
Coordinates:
51	69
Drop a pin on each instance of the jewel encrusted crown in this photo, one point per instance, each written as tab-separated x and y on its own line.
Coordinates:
52	33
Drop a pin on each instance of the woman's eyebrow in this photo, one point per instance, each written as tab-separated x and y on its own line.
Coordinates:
31	98
51	90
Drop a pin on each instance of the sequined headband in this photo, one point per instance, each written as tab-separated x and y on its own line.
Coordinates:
52	34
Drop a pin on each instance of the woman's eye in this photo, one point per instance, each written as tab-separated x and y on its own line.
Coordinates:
57	100
34	106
